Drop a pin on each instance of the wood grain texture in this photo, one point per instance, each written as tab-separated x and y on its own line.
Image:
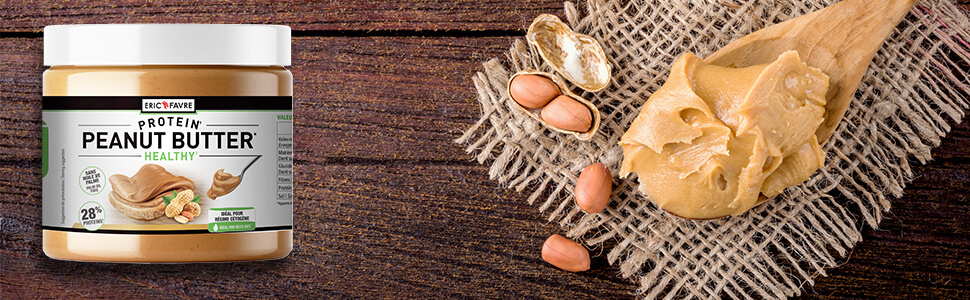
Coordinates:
365	15
387	206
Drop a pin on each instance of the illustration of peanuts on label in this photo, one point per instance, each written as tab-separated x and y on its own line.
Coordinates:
182	206
223	183
141	196
178	202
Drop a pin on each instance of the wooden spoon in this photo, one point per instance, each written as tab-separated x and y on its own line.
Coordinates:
840	39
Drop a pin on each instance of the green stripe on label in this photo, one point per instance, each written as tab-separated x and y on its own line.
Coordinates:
231	226
45	147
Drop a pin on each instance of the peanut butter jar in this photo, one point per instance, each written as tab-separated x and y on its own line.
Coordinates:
142	123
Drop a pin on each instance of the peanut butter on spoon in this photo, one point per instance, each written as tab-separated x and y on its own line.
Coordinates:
839	40
713	139
223	183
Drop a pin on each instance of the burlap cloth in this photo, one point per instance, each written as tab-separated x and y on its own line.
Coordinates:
913	89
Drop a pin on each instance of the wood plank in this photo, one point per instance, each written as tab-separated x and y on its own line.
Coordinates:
397	230
366	15
389	98
397	94
402	230
344	15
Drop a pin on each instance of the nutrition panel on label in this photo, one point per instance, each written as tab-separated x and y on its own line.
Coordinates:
284	162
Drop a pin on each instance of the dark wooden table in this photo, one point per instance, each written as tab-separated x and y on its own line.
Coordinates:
387	205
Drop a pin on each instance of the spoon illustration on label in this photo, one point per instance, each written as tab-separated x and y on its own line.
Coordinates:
224	183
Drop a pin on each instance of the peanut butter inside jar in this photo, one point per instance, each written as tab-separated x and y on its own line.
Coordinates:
177	73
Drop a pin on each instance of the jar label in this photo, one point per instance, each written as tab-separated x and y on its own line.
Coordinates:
144	165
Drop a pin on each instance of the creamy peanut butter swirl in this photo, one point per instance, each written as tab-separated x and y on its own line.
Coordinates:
713	139
222	183
140	196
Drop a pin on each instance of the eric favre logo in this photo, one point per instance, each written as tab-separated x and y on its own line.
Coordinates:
168	105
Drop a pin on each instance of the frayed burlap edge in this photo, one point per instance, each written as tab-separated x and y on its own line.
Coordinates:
910	93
